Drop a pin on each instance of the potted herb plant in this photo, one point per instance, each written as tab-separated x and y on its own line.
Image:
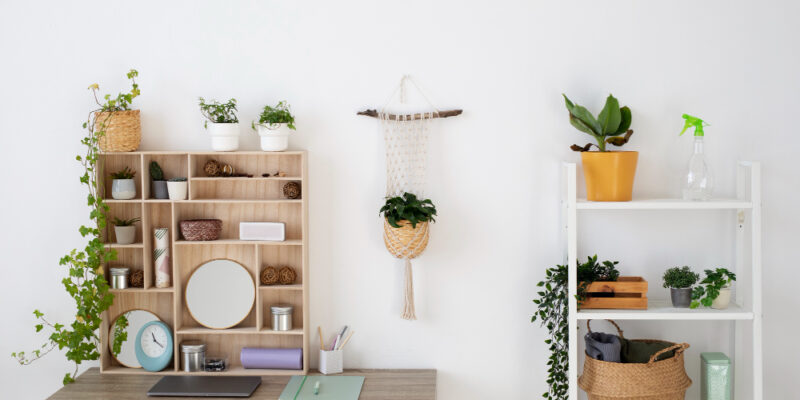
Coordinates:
274	126
123	187
406	226
124	230
714	290
224	124
680	282
118	128
177	188
159	185
609	174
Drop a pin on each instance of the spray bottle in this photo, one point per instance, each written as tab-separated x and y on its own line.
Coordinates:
698	183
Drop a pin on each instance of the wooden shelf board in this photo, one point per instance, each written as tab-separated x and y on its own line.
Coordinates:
268	331
208	331
664	204
141	290
227	201
298	286
291	242
115	201
124	246
244	178
209	153
235	370
663	310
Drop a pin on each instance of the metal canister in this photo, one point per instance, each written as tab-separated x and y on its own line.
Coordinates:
194	355
716	378
282	317
119	277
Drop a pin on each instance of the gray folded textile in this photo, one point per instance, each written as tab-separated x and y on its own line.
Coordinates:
603	346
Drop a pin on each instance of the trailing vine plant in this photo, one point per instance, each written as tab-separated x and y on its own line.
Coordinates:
85	282
553	313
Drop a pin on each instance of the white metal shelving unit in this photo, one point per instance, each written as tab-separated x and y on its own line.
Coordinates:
745	309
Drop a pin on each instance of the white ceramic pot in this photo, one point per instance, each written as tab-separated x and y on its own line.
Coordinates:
177	190
125	234
723	300
274	137
224	137
123	189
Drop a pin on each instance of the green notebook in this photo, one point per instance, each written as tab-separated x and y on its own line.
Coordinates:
330	388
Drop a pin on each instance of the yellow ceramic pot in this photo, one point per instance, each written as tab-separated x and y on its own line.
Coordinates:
609	174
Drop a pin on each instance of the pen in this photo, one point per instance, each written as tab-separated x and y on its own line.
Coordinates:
316	388
321	343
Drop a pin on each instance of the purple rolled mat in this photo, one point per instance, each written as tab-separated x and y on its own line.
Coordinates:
270	358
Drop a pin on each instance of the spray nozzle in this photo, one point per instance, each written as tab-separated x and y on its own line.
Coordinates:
697	123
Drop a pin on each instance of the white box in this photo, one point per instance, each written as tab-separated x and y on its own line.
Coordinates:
270	231
331	362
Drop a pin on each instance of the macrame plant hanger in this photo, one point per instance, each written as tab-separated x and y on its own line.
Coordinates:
406	140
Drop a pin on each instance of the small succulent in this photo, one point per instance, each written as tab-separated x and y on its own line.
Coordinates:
612	122
680	278
156	173
125	222
408	208
176	180
125	173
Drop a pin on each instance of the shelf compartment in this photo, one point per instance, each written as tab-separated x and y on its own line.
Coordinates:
230	345
274	297
253	163
664	204
157	215
173	165
122	211
126	257
239	188
114	162
281	256
663	310
232	214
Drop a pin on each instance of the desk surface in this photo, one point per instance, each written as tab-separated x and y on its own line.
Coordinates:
383	384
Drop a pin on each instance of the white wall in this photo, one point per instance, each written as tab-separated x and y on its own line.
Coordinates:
494	172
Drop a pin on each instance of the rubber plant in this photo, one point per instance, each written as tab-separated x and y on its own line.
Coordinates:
607	128
85	282
709	288
553	313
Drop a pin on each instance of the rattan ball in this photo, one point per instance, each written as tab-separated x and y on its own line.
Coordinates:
137	278
269	276
291	190
212	168
287	276
228	170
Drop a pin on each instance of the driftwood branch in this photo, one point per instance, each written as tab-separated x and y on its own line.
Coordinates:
411	117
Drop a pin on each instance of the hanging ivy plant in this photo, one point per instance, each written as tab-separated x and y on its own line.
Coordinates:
553	313
85	282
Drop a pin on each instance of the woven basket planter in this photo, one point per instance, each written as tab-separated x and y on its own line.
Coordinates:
654	380
201	229
123	130
406	241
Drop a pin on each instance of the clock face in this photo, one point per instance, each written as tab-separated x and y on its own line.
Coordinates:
154	341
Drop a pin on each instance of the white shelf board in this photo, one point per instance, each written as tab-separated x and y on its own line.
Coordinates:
663	310
664	204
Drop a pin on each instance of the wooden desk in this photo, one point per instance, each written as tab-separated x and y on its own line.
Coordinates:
379	384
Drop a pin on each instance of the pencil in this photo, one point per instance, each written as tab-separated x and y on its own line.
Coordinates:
321	343
347	339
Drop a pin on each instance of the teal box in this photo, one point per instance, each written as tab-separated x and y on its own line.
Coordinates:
717	377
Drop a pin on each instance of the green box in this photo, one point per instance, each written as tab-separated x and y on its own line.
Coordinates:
717	376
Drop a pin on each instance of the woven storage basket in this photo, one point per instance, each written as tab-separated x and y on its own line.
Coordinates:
406	241
655	380
123	130
201	229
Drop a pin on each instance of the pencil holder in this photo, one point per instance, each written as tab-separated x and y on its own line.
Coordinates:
330	361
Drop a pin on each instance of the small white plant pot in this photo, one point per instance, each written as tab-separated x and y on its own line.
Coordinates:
331	362
274	137
723	300
177	190
125	234
224	137
123	189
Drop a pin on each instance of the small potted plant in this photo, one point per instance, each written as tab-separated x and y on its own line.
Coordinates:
124	230
118	128
680	282
222	123
177	188
123	186
274	126
405	230
159	185
715	290
608	174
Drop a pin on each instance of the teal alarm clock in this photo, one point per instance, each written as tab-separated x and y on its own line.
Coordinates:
154	346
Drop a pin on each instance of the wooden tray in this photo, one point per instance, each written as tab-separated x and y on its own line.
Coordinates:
629	293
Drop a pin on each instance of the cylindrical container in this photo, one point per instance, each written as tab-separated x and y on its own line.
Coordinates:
681	297
271	358
161	258
282	317
716	377
194	355
119	277
331	361
123	189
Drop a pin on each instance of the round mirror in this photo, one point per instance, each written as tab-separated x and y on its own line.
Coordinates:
136	320
220	294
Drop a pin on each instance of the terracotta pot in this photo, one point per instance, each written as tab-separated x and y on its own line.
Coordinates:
609	174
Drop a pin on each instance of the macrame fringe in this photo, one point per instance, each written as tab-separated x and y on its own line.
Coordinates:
408	309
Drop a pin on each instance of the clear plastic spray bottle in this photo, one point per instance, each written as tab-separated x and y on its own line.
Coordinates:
698	182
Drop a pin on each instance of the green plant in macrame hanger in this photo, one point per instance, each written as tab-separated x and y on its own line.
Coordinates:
85	282
407	208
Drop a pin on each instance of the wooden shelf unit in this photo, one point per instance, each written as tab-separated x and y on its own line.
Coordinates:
233	200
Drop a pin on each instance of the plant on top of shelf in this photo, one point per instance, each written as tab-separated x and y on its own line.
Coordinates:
126	222
224	123
609	175
117	126
407	208
274	125
680	282
85	282
553	313
714	290
158	184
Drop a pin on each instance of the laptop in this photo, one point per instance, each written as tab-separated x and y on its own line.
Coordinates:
205	386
